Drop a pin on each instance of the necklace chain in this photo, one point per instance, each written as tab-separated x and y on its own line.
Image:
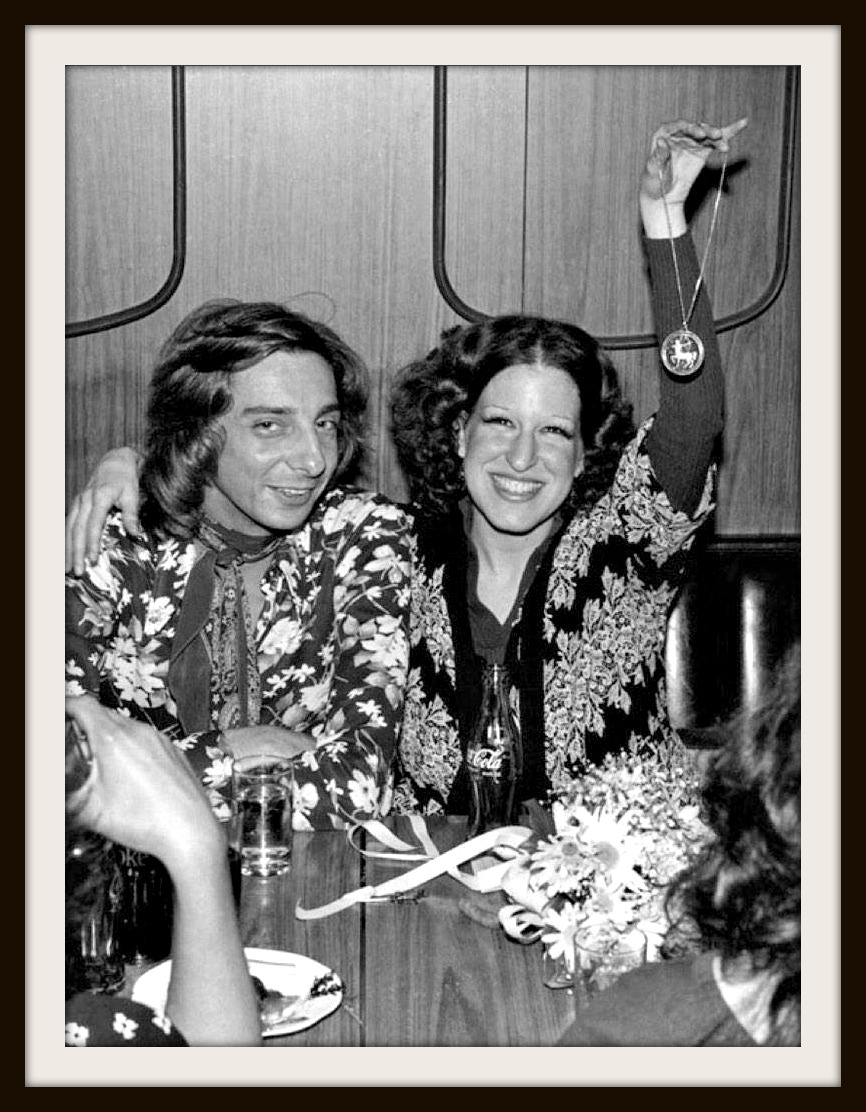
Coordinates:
687	315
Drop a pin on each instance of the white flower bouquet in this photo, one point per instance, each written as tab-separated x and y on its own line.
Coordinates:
622	831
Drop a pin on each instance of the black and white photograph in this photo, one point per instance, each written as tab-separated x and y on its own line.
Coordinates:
438	489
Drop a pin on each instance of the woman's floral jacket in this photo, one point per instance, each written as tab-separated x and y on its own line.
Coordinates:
586	654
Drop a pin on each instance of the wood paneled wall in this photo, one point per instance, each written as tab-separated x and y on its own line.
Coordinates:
313	185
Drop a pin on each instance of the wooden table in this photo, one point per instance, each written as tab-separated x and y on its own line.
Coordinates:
416	973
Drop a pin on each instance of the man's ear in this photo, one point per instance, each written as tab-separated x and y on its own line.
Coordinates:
460	435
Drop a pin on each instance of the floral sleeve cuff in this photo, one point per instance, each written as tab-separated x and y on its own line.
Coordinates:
212	763
338	783
650	522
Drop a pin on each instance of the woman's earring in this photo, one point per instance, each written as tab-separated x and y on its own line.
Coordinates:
460	435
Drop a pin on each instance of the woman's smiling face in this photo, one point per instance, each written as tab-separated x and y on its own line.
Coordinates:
521	447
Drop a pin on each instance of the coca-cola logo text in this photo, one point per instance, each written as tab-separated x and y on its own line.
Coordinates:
131	858
487	761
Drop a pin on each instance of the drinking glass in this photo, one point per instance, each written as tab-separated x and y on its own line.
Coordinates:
598	968
261	824
558	972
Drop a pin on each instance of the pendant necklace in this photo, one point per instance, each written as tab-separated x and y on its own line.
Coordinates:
682	351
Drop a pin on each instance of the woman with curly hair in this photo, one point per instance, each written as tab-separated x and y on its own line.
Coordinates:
741	897
550	535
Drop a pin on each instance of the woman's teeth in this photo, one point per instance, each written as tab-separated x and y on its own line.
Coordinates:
518	487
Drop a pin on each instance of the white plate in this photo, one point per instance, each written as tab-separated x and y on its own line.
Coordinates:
288	974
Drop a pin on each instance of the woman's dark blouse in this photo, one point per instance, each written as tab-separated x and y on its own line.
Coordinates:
669	1003
586	645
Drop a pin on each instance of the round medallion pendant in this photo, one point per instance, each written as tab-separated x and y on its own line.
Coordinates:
682	352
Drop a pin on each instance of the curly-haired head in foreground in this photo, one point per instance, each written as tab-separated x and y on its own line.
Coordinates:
191	390
743	892
430	395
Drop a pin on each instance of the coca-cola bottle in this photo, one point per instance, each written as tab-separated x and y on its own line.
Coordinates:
146	909
494	756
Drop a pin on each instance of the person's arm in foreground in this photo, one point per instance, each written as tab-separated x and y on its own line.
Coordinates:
690	414
146	796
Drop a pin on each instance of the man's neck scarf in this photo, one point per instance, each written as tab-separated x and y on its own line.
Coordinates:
213	674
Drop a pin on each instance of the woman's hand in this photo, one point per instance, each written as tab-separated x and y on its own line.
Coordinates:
678	152
145	793
113	483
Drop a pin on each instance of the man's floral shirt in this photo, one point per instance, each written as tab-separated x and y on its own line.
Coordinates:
598	634
332	644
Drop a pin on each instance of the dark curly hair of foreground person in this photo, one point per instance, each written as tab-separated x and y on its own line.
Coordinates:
743	892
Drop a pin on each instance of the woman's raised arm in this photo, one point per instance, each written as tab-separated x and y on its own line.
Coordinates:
691	409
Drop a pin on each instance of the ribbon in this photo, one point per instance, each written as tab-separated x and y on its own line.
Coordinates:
503	842
403	850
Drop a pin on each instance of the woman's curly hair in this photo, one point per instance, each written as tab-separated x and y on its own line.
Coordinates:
191	389
743	892
429	395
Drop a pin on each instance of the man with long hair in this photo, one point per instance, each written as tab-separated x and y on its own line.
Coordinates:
263	606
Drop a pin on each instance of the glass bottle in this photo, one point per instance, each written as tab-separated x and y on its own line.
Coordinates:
146	907
494	756
93	959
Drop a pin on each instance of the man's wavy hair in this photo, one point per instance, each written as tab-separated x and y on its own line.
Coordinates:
430	394
191	390
743	892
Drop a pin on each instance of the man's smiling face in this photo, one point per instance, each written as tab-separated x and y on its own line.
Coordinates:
281	444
